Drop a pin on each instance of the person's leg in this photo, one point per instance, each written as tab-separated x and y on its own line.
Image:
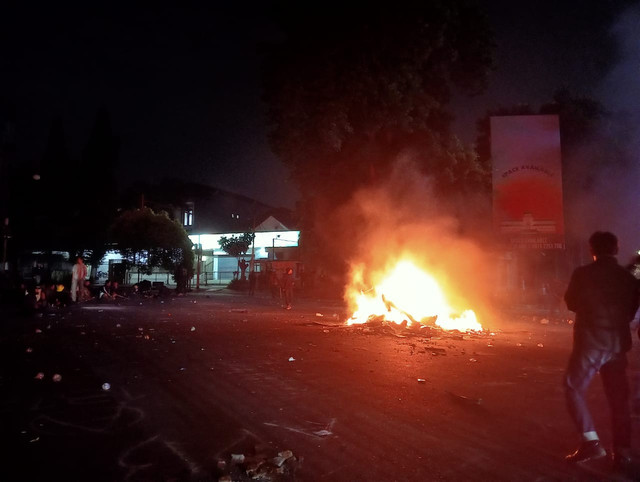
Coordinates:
583	365
74	289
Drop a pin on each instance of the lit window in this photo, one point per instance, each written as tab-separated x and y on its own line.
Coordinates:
187	218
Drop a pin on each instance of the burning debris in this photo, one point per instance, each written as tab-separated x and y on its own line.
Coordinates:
408	296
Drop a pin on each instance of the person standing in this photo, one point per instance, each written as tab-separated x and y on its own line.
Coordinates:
287	288
604	297
78	275
252	282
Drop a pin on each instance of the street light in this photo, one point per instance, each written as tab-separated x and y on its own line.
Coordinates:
273	247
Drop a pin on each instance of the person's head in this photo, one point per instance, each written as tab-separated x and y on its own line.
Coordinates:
107	283
603	243
79	260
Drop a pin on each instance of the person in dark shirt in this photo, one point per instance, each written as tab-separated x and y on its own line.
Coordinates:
287	288
604	297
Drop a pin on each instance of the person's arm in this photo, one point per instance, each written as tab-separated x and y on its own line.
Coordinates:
573	293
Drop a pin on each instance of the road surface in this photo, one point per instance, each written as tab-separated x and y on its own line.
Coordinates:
222	386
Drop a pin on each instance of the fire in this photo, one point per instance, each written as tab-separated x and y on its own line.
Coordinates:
411	294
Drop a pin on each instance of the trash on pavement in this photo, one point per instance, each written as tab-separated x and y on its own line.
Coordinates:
292	359
106	387
465	400
322	433
38	330
237	458
39	376
29	349
319	315
544	321
422	380
56	377
540	345
193	328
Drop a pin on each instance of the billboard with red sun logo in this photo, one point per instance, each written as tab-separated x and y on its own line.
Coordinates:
527	181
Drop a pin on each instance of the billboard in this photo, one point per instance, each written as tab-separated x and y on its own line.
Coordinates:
527	181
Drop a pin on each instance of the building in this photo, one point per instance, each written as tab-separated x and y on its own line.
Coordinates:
207	214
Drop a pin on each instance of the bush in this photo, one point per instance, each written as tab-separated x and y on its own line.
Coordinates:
238	285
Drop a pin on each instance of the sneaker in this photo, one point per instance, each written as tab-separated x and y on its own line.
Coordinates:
590	450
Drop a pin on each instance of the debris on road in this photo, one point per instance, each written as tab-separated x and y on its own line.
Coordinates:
292	359
39	376
237	458
465	400
106	387
322	433
56	377
193	328
320	315
422	380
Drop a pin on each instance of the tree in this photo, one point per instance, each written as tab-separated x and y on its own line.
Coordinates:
237	246
353	86
147	240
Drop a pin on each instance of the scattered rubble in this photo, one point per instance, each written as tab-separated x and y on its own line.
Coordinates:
259	466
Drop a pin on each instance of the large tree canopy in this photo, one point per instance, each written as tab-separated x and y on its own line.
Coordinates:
148	240
354	85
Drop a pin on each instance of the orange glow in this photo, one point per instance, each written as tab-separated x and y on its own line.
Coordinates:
406	292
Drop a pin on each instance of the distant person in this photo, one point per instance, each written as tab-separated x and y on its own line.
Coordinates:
287	288
36	301
115	291
62	297
86	290
253	278
604	297
105	291
51	293
274	285
78	275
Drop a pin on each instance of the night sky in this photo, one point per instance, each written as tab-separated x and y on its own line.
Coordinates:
182	84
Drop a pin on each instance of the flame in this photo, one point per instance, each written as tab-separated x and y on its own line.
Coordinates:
407	293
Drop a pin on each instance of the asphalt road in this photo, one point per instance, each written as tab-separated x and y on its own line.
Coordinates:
221	386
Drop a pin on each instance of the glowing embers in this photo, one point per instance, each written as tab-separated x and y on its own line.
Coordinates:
407	294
